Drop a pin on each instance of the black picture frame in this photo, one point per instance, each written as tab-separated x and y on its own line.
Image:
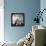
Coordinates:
17	19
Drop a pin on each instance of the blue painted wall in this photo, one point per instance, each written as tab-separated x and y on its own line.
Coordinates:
43	6
29	7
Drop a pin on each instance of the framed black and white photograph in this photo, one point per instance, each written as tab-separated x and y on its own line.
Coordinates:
17	19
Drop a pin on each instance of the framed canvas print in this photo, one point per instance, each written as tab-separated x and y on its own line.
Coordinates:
17	19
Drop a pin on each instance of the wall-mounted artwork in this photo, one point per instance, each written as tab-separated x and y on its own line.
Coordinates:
17	19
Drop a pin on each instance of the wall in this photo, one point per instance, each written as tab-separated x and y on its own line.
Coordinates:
29	7
43	6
